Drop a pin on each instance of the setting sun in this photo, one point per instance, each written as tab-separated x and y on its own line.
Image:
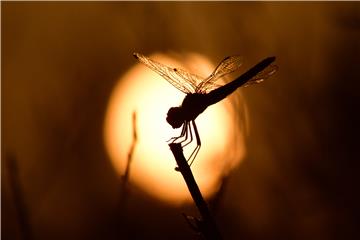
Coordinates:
147	94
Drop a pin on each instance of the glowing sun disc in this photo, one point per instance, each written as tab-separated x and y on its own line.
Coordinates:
143	91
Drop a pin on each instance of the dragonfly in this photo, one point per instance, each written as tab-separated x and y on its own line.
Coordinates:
203	92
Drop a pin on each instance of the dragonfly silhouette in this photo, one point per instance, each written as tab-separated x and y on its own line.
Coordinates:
203	92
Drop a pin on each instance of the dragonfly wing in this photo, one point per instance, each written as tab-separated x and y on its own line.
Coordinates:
193	78
181	79
209	87
261	76
226	66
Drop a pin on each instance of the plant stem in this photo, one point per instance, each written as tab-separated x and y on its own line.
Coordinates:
208	226
126	175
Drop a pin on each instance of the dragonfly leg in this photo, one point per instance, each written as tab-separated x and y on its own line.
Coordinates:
191	137
198	144
186	134
183	132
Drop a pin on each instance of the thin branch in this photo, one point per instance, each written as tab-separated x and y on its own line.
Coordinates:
132	147
129	158
206	225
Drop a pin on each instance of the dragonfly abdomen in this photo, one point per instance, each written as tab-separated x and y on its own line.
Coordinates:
223	91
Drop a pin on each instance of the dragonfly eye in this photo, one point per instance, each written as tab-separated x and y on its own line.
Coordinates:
174	117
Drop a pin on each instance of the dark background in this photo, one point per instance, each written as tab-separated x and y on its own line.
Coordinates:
60	62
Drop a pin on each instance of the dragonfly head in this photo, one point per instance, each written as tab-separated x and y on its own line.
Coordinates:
174	117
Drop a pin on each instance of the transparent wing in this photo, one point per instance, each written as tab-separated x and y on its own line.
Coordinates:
209	87
181	79
226	66
261	76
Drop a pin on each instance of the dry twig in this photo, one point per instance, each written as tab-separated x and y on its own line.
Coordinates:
206	225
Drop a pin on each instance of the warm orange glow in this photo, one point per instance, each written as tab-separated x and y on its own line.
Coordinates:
152	168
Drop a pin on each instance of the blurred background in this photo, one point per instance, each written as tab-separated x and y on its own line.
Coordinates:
61	61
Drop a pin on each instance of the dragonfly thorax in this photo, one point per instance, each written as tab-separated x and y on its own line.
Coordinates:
191	107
